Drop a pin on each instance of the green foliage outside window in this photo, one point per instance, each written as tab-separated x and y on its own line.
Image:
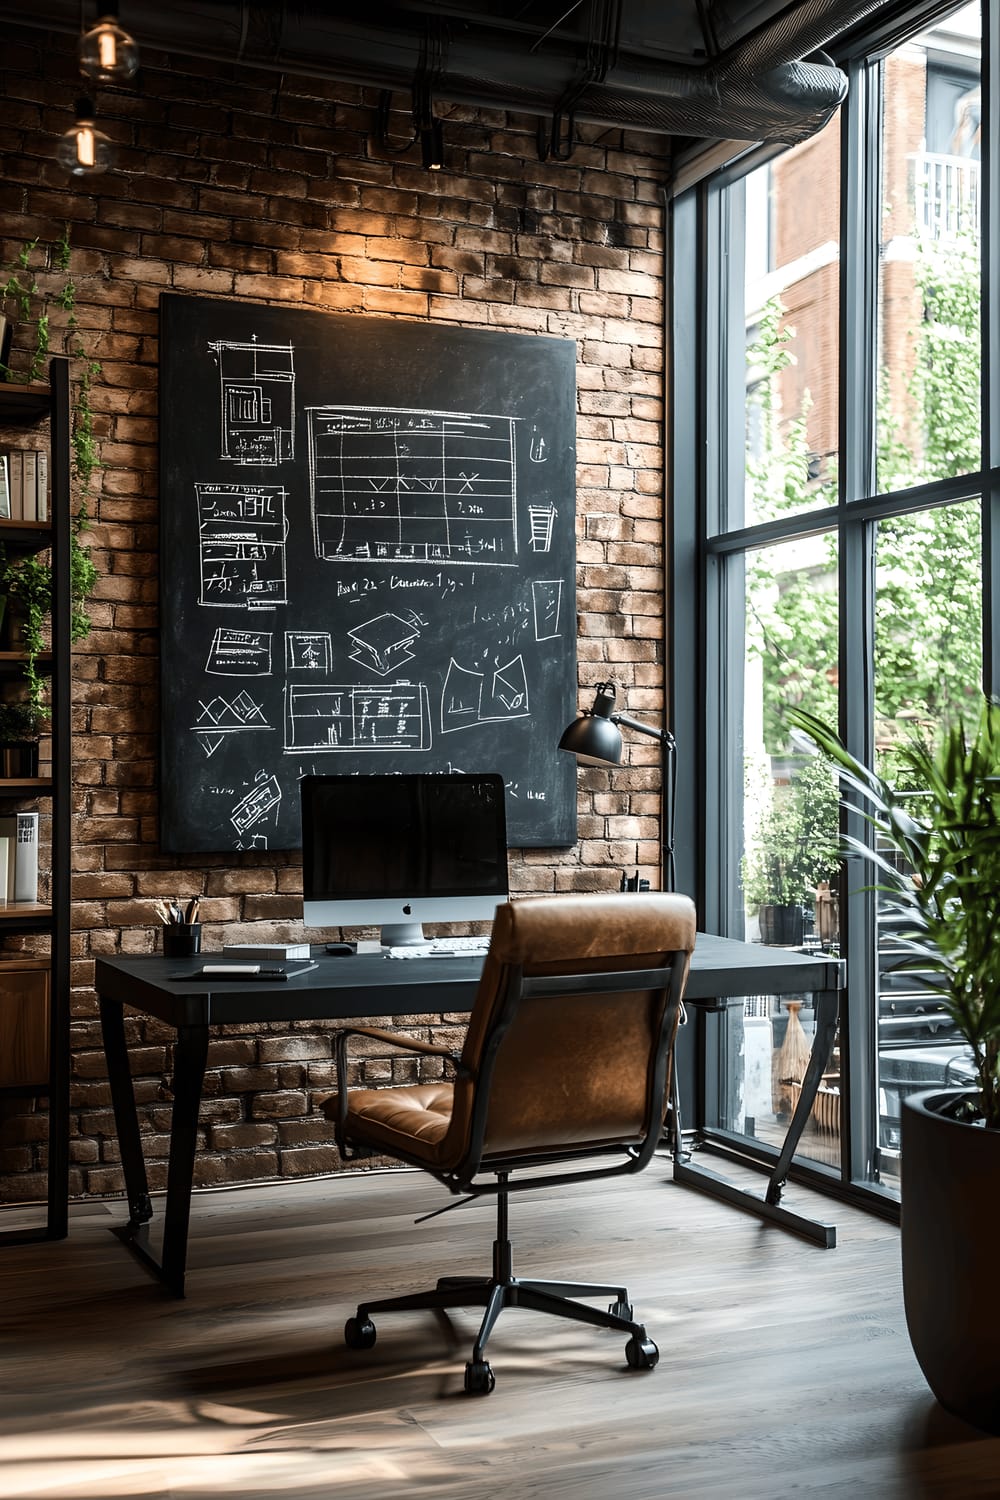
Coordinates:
928	610
928	627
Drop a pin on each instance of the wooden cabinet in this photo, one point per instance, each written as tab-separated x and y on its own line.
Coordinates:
34	987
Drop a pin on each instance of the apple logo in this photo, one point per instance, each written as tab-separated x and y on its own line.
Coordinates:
407	909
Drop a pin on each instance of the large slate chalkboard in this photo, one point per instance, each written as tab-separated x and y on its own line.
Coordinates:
367	549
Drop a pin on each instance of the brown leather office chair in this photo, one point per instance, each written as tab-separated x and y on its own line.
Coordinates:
567	1056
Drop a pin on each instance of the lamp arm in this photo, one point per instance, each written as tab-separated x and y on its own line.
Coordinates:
663	735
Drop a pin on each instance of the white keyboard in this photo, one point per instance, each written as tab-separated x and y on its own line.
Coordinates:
442	947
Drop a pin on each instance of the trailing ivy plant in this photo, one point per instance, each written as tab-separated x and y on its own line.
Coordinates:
28	580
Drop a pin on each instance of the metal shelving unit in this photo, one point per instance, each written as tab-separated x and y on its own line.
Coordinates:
21	407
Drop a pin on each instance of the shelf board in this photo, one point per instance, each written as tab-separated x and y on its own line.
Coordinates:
25	533
24	403
20	913
25	786
12	662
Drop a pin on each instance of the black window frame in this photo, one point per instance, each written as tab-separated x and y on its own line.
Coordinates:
702	557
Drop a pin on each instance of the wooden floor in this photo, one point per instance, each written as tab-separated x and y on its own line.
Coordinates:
785	1369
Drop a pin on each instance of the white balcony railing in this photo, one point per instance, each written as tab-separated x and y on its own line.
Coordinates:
945	195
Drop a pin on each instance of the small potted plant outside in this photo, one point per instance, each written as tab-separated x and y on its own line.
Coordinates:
794	851
946	895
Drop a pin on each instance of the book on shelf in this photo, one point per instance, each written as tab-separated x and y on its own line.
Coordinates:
42	487
29	488
26	857
266	950
15	463
8	857
19	857
24	493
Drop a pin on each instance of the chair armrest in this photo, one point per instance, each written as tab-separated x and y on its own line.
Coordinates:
389	1038
404	1043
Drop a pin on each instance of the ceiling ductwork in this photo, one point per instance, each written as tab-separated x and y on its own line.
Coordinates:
678	67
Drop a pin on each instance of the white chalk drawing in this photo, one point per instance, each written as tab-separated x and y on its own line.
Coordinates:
221	717
409	486
546	599
308	651
258	401
541	519
241	534
331	716
263	798
509	698
538	450
471	697
239	653
383	644
461	698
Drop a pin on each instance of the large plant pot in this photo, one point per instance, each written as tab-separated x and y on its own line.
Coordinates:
781	925
950	1173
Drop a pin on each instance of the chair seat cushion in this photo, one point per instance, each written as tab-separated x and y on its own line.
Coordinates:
411	1121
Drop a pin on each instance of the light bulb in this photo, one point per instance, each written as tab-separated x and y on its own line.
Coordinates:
84	149
107	53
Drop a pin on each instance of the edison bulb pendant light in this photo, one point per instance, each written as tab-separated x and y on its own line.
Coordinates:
84	149
107	52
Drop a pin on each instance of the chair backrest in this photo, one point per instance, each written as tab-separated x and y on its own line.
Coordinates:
555	1061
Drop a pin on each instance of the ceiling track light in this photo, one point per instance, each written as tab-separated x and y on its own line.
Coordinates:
84	149
107	53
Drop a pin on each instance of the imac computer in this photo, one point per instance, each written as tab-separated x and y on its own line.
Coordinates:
397	851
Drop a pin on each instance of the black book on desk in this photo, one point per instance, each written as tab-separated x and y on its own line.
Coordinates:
227	972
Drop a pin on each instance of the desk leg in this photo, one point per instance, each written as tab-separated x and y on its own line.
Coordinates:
140	1209
769	1207
827	1007
190	1056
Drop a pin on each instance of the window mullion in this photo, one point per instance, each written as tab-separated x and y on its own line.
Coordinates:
860	199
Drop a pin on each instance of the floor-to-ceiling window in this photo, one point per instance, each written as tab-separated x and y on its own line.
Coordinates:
844	512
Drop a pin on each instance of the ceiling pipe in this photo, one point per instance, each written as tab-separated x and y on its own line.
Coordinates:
758	88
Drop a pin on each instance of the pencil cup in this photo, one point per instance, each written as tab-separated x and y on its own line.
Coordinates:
181	939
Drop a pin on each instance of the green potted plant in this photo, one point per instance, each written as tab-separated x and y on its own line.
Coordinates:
26	583
794	852
21	725
937	865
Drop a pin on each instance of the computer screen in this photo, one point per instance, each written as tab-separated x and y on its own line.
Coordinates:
397	851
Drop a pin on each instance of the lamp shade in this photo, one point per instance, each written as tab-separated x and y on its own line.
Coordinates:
594	738
594	742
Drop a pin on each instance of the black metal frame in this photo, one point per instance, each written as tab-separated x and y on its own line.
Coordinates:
57	406
704	553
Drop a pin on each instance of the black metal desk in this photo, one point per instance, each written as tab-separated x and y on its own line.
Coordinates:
370	985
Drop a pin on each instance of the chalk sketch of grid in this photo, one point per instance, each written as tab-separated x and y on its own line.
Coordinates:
409	486
347	716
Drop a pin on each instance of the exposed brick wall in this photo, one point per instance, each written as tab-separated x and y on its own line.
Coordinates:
230	184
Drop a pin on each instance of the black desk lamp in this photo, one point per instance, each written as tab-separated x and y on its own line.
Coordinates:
596	740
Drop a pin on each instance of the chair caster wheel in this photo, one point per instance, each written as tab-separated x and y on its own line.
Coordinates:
621	1309
479	1378
642	1354
359	1333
